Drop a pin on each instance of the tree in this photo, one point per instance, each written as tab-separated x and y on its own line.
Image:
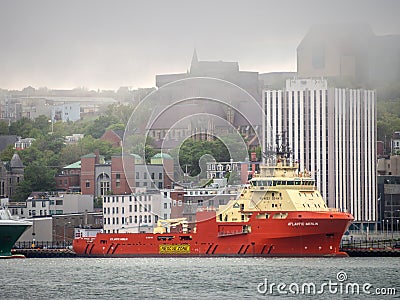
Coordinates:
7	153
121	112
37	177
3	128
42	124
22	127
191	151
99	126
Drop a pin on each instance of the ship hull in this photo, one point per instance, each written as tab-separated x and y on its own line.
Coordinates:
10	232
297	234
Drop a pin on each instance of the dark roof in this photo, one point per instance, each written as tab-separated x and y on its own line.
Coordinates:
16	161
119	132
6	140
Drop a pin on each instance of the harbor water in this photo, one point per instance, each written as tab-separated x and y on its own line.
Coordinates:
200	278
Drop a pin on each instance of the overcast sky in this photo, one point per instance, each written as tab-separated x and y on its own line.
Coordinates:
107	44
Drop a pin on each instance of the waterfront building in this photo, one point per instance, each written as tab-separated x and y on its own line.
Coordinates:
59	229
137	212
332	133
389	202
40	204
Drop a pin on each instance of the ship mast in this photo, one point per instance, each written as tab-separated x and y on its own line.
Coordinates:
283	151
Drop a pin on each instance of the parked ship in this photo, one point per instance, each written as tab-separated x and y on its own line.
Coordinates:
10	231
280	213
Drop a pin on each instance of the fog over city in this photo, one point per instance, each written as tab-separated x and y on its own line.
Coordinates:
108	44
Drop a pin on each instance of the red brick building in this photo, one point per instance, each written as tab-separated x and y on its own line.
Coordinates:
114	136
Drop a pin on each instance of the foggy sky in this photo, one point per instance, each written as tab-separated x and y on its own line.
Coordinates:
107	44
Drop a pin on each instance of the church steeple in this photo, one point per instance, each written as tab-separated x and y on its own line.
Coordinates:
194	61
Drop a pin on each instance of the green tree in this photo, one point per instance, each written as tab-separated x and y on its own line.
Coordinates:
97	128
42	124
121	112
22	127
191	151
3	128
37	177
7	153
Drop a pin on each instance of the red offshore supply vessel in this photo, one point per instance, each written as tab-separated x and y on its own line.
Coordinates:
280	213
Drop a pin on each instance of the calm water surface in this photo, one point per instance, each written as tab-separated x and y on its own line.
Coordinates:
196	278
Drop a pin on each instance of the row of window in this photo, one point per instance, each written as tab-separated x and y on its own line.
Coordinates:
160	175
142	198
115	210
43	203
131	220
44	212
281	182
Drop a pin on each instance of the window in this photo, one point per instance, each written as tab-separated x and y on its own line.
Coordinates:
160	185
130	208
118	184
200	203
59	202
159	175
152	175
179	202
87	184
137	175
135	208
144	183
165	205
174	202
33	203
135	219
118	176
149	207
149	218
145	175
123	210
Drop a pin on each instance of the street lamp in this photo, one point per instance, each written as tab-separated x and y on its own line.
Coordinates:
387	227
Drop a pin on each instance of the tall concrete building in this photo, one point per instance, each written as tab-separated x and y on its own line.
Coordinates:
332	133
349	52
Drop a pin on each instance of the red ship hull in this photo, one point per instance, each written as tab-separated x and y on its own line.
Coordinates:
297	234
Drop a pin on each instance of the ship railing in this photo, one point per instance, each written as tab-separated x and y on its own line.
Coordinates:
230	233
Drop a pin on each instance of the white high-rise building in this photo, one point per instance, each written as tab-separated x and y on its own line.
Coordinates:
332	133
